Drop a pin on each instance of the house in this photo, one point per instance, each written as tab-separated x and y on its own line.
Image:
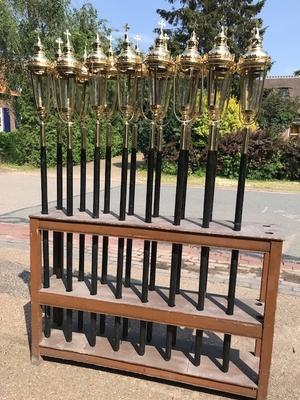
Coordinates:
289	86
7	116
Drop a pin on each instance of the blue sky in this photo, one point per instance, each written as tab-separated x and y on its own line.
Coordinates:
282	39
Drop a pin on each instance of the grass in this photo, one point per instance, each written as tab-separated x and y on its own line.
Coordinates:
270	186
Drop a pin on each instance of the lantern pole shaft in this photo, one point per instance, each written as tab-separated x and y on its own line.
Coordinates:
177	248
132	180
69	235
45	235
82	208
107	186
122	214
235	253
146	329
211	166
58	237
158	166
95	238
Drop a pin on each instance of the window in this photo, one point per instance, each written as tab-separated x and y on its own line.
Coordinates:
1	120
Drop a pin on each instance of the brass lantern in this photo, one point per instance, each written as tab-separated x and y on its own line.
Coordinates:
252	66
160	68
128	64
82	81
186	85
40	68
220	67
98	65
65	81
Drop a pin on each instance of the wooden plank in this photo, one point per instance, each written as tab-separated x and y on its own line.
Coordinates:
269	319
35	286
240	379
199	238
244	322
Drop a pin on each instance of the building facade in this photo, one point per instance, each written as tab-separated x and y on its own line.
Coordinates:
289	86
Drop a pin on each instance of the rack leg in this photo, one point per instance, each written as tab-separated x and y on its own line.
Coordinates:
36	310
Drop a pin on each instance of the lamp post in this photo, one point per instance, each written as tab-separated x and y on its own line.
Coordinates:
252	67
81	102
40	69
111	98
220	68
98	65
127	66
186	83
65	87
58	237
160	71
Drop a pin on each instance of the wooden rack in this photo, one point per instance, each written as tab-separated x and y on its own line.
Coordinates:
248	373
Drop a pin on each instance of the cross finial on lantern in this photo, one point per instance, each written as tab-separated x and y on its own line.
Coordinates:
162	24
68	34
126	27
137	39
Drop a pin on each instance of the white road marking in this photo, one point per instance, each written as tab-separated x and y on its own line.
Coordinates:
265	210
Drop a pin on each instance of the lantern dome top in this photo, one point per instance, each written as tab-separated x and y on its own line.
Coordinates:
220	53
127	59
83	72
97	60
39	63
160	56
67	64
191	57
255	56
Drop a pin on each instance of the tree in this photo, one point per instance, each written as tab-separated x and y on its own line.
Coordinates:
277	112
205	17
297	73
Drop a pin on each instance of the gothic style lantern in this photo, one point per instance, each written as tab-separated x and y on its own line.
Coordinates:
128	64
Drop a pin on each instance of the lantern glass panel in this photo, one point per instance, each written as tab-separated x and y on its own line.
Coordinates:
252	83
127	92
81	103
98	91
219	84
41	89
186	94
111	96
160	86
65	92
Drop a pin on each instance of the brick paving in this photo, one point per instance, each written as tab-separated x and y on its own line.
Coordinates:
249	263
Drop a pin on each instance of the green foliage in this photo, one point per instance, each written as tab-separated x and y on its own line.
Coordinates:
297	73
269	157
19	20
205	17
277	112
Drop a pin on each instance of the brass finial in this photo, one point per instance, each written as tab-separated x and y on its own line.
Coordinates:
68	44
191	56
220	53
126	29
161	24
59	51
137	39
39	63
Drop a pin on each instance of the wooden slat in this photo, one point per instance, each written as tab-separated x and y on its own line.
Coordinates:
253	237
240	379
244	322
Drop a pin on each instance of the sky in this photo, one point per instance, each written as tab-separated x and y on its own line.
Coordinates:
281	17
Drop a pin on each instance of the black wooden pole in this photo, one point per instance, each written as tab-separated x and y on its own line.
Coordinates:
131	201
177	248
95	238
121	241
235	253
69	235
82	208
207	212
158	165
106	210
58	237
146	329
45	234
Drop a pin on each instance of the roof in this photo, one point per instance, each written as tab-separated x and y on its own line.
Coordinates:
284	82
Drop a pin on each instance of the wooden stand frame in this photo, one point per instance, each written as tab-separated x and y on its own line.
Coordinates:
253	319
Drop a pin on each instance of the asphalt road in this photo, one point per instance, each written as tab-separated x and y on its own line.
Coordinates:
282	209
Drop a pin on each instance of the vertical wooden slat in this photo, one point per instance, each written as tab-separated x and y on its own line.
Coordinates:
36	284
269	319
262	296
